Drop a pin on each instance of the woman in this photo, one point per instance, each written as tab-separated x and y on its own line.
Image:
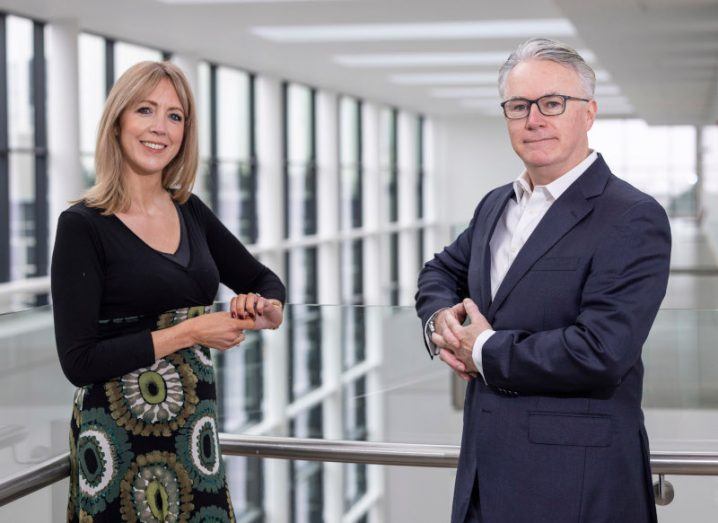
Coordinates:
136	265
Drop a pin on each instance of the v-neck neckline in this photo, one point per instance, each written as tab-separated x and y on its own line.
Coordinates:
162	254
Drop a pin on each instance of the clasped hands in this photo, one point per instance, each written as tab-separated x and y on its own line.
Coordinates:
456	341
223	330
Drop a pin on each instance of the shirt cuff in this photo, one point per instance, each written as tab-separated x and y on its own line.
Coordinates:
478	346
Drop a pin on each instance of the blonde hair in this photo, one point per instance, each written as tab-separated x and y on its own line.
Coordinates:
109	193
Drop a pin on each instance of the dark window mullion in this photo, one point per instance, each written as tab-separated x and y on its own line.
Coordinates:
109	65
41	185
358	214
252	211
285	156
394	168
4	164
213	123
310	225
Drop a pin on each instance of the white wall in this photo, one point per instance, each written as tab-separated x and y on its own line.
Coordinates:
473	155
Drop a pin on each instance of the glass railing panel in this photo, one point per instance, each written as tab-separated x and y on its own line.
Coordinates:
35	397
388	390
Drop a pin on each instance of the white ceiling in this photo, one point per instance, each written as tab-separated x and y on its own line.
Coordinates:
659	57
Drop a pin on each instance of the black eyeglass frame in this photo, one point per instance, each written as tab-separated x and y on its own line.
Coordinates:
565	97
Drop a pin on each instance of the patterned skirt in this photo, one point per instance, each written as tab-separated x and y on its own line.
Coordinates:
144	447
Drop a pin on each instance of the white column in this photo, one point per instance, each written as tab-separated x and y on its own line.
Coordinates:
376	269
63	118
327	120
433	238
270	179
408	240
270	215
188	64
328	194
376	275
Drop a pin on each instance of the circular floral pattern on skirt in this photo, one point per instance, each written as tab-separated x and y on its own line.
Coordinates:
154	400
156	489
198	357
198	448
103	456
211	515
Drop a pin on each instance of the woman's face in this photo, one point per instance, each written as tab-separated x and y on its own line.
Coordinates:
151	130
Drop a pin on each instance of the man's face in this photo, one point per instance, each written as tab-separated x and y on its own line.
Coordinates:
551	144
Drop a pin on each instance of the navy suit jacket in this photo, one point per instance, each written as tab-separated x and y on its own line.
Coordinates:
557	435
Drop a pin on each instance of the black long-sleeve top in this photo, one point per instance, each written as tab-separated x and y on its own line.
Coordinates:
102	271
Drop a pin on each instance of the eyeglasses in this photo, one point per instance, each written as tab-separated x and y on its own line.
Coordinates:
549	105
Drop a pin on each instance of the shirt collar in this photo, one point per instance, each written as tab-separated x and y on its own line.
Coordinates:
557	187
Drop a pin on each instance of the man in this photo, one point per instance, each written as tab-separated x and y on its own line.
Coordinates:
561	274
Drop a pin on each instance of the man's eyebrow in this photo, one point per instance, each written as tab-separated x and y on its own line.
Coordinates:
155	105
550	93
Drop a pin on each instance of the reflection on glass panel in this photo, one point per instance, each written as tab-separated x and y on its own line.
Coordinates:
307	496
355	428
659	160
19	82
352	289
245	479
22	216
303	323
127	55
92	90
349	161
240	380
233	114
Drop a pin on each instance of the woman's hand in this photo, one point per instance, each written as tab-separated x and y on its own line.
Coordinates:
218	330
266	313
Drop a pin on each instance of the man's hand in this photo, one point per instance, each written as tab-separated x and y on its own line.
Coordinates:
458	345
443	338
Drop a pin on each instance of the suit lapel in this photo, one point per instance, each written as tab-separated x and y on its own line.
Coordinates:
565	213
485	250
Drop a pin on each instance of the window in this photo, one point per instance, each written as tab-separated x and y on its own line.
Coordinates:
659	160
300	198
92	99
352	251
300	174
126	55
389	165
23	173
420	186
235	155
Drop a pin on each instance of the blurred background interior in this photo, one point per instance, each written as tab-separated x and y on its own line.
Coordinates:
344	142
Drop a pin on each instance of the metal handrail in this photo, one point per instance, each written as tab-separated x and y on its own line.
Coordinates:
368	452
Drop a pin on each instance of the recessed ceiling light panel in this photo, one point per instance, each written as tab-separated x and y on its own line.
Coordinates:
481	29
445	79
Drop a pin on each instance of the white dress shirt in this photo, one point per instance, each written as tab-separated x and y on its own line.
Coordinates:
518	221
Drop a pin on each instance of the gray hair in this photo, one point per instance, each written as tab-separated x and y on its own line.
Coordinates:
553	51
